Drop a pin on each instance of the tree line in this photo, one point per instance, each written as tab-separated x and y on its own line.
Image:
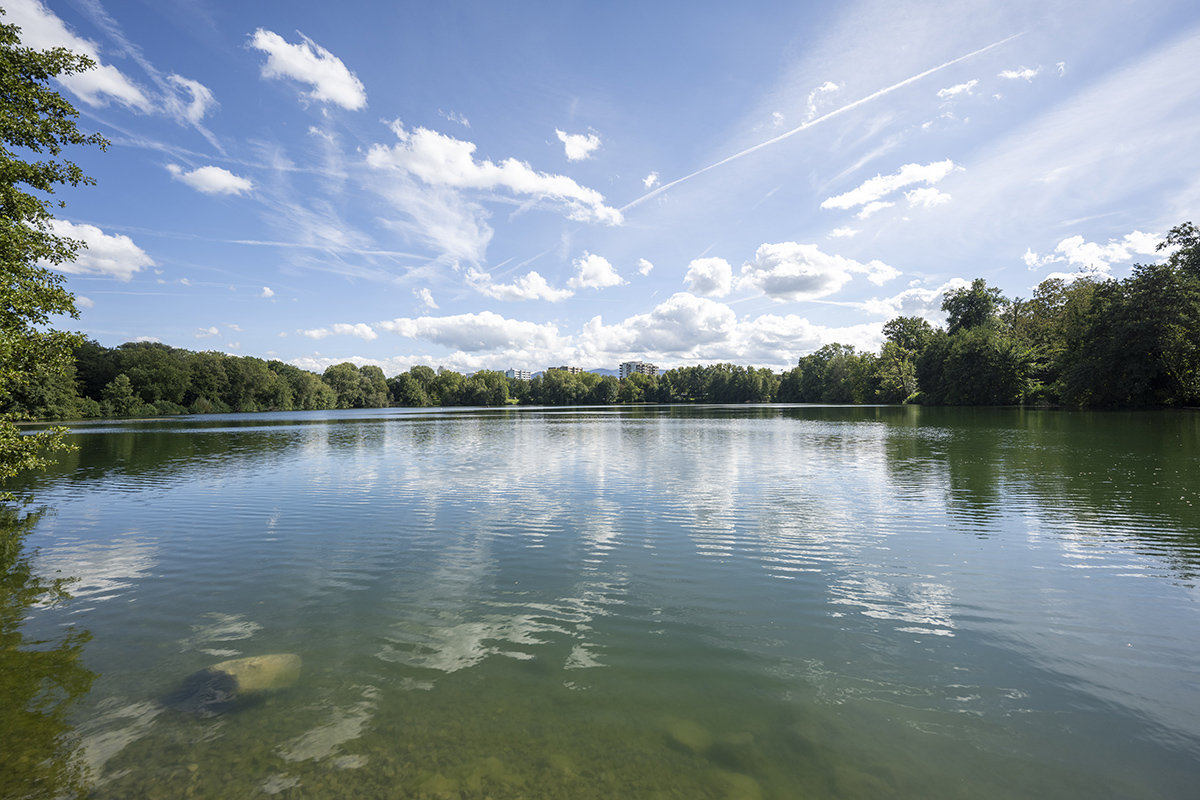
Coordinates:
1087	342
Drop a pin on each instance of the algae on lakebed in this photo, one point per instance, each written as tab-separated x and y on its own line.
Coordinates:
460	739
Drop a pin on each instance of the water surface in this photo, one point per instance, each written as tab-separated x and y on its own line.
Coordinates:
691	602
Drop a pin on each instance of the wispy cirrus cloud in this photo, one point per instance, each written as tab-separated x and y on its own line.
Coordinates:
869	193
810	123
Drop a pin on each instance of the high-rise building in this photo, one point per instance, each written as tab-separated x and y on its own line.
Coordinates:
519	374
630	367
570	370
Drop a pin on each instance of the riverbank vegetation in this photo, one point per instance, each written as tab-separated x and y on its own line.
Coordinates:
1083	342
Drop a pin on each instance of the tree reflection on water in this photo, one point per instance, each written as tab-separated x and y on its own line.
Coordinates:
40	678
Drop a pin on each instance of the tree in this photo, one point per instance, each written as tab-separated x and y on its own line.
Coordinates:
970	308
444	388
36	123
405	390
605	392
346	382
790	387
907	338
485	388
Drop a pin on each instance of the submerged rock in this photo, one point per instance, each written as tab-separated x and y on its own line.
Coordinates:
687	735
212	690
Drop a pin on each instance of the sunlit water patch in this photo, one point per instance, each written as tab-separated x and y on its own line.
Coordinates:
726	602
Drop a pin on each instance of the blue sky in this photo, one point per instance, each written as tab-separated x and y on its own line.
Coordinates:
496	185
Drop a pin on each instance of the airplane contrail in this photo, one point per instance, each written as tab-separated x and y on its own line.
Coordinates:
813	122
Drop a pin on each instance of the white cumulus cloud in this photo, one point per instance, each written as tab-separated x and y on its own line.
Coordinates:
961	88
308	62
872	207
579	146
926	198
872	190
679	325
530	286
711	277
204	333
651	180
914	302
440	160
211	180
1021	72
594	272
114	255
266	292
41	29
843	232
815	96
426	298
644	266
789	271
1077	252
484	331
361	330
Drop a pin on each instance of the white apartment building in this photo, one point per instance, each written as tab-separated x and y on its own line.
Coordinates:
630	367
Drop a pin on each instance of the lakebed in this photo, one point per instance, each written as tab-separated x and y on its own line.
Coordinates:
663	601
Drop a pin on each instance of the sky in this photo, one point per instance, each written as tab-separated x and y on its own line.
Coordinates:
527	185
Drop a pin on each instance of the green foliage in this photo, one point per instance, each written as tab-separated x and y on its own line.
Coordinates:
406	390
39	679
970	308
118	398
1137	342
978	366
605	392
836	373
155	371
36	123
308	391
444	388
484	388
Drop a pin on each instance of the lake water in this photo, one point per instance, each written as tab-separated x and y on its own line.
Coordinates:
660	602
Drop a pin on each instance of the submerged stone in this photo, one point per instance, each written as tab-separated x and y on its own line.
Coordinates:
687	735
215	689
